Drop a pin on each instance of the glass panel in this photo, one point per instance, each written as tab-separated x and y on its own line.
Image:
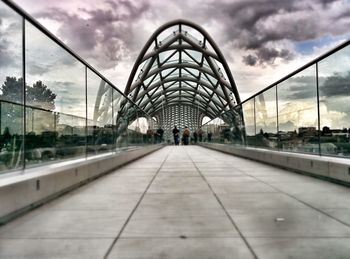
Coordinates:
117	102
266	119
101	136
122	124
169	32
11	90
135	136
55	94
297	112
196	55
71	136
165	55
11	83
11	138
174	58
237	125
193	71
41	135
193	33
206	64
57	78
249	121
167	72
189	57
334	87
209	78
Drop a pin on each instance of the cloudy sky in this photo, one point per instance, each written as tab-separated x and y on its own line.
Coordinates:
262	40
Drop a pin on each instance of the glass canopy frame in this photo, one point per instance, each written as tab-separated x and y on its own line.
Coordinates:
181	66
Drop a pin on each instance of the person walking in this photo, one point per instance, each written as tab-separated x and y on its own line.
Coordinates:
176	134
195	137
160	133
186	136
200	134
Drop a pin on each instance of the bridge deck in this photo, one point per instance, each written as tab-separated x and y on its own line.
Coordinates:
188	202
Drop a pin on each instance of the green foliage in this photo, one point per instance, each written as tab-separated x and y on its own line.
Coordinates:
38	95
12	90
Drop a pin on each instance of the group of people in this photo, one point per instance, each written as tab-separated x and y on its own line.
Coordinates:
156	137
186	136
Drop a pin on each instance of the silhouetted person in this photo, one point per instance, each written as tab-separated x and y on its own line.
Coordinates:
200	134
186	136
160	133
176	134
149	134
6	136
195	137
209	136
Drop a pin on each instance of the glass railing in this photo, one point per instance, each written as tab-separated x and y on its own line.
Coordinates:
55	106
307	111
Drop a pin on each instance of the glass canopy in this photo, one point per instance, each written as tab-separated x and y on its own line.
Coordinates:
181	76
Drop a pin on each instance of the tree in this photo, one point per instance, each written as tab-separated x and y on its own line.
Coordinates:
40	96
12	90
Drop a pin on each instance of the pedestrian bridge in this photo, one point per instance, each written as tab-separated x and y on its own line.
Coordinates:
188	202
87	171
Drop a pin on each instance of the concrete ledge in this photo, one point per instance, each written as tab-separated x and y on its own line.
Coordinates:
24	190
330	168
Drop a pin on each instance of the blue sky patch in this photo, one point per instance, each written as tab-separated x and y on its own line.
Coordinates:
306	47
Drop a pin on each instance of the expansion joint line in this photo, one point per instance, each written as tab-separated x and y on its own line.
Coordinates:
226	212
290	195
135	208
301	201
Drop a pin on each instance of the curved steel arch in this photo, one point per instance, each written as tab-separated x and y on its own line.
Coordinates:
194	77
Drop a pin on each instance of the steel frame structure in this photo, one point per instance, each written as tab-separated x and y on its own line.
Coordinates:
181	76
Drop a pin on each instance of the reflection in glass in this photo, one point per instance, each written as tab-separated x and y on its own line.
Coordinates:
297	112
266	119
334	88
55	111
101	133
249	121
56	80
71	136
11	82
11	90
55	98
216	131
41	135
11	137
135	135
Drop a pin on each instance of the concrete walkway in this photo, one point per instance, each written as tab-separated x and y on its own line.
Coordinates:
190	203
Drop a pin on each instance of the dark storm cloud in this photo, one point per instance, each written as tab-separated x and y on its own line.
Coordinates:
326	2
106	32
35	69
40	65
10	43
265	30
335	85
259	26
5	12
267	55
250	60
297	87
8	57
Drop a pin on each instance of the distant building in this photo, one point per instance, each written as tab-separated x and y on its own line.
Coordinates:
307	131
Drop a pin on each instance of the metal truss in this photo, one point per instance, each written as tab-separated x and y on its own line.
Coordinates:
181	76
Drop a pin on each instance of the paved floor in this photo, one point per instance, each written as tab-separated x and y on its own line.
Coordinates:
190	203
